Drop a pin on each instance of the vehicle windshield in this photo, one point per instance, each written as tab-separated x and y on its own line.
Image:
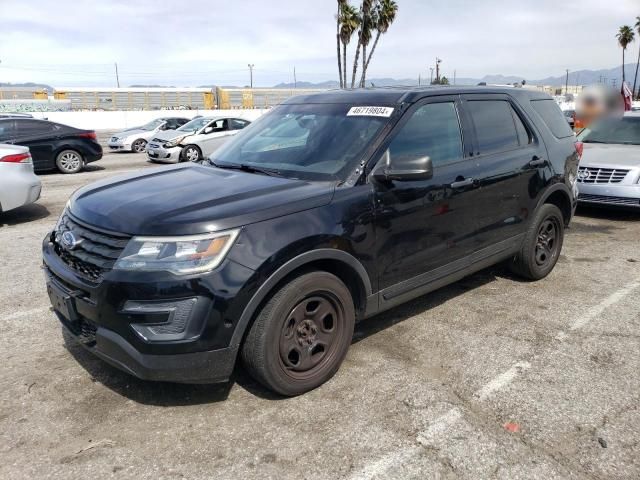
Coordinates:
311	142
195	124
624	130
152	125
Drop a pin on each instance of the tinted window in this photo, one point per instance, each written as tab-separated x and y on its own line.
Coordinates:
238	124
34	127
524	136
7	130
434	131
552	116
495	125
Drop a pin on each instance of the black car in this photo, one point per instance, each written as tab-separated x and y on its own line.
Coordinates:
52	145
323	212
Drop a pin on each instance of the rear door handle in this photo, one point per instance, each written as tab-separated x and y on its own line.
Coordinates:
467	182
537	162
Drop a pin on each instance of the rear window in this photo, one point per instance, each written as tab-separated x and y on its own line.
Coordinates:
552	117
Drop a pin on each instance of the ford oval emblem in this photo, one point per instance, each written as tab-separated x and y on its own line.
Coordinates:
68	240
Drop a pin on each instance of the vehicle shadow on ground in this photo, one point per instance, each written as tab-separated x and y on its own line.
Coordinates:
172	394
26	214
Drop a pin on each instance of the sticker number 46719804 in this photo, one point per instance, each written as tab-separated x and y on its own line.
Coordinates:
370	112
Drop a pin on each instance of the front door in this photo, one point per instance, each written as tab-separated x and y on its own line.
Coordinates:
423	227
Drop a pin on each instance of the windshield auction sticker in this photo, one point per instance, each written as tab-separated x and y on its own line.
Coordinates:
370	112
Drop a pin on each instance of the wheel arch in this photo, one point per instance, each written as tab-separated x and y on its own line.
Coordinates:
560	196
338	262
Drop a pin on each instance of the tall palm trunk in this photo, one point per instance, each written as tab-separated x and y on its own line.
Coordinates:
338	45
635	79
343	81
364	57
355	65
623	65
366	61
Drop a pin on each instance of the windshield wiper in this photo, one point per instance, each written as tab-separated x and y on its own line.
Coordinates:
247	168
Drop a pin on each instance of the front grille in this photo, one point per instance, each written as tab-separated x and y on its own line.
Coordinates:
114	139
601	175
95	252
634	202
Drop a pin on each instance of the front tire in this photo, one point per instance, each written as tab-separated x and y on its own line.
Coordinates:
69	161
139	146
302	334
542	244
191	153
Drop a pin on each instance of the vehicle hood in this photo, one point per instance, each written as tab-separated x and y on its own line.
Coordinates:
166	135
192	199
610	156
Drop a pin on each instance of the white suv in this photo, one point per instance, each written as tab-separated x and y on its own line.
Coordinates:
193	141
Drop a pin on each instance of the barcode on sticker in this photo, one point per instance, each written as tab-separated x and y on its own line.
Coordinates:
370	112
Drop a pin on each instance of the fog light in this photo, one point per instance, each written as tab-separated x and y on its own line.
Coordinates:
161	321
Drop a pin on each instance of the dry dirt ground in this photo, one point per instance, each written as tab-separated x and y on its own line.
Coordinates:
490	377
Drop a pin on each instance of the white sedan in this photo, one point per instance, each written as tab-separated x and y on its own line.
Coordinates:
193	141
18	184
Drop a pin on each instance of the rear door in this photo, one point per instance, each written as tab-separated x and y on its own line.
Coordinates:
42	139
511	163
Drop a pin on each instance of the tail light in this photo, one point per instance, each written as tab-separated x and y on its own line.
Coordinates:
579	149
91	135
17	158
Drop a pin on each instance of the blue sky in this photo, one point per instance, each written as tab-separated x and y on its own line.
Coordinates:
197	42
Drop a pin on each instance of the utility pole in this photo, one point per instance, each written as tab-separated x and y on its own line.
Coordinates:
454	76
566	84
251	65
431	80
295	80
117	76
419	80
438	70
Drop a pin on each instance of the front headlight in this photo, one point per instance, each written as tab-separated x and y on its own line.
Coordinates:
174	142
179	255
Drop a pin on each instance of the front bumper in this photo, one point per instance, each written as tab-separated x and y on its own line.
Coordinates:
157	153
119	144
106	318
608	194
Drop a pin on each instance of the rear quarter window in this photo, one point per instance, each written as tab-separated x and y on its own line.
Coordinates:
552	116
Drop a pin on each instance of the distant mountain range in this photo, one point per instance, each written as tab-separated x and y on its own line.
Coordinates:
581	77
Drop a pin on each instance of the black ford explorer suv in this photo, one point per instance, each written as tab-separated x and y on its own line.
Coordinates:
327	210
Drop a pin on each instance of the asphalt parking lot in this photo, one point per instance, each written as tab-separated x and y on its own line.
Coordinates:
490	377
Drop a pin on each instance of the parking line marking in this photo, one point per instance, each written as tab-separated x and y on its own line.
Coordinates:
452	416
26	313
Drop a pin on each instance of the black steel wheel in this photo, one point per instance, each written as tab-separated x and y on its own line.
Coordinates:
542	244
301	335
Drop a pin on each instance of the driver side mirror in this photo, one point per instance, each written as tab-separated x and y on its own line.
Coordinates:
406	168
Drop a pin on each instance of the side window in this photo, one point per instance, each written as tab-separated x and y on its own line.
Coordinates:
495	126
237	124
7	130
219	125
553	117
523	134
433	130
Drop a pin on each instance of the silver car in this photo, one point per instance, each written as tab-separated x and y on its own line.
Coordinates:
609	171
135	139
18	184
195	140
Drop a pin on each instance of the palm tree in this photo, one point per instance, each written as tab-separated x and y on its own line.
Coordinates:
385	15
635	79
369	20
625	37
349	23
364	35
341	3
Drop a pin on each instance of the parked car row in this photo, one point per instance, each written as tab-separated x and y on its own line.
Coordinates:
135	139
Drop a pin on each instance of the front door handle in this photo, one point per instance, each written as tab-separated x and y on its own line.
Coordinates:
536	161
467	182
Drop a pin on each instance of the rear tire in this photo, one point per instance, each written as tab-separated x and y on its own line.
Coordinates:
69	161
191	153
301	336
139	146
542	244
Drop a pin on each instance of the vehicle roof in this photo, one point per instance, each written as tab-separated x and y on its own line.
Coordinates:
396	95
